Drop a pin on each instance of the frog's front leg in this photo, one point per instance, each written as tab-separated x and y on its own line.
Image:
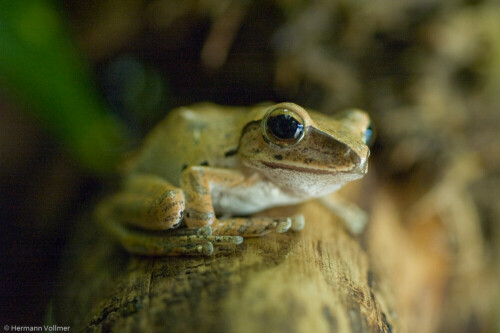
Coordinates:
197	182
144	216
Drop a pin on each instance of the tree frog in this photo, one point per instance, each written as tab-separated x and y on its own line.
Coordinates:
206	168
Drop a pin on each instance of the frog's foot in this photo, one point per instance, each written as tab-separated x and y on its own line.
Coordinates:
355	218
257	226
196	241
298	222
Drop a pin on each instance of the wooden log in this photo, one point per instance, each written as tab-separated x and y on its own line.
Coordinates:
315	280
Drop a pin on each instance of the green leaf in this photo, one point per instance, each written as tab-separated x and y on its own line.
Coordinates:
41	66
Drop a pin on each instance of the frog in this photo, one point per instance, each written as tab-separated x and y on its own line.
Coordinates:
196	182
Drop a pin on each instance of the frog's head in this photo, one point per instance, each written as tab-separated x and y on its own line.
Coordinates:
306	153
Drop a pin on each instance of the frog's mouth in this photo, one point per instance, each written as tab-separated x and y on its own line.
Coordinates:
274	165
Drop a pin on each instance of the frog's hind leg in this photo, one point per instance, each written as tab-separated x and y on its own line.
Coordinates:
197	241
143	217
147	202
256	226
147	243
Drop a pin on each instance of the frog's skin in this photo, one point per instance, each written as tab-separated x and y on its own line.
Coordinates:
208	165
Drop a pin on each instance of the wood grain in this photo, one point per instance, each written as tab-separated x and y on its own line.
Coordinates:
315	280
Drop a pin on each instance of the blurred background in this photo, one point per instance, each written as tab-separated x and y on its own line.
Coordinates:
81	82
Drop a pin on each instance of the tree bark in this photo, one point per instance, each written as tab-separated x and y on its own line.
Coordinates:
315	280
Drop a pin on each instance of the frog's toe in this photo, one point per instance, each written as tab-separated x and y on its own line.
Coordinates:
196	237
168	246
298	222
284	226
201	231
206	249
225	240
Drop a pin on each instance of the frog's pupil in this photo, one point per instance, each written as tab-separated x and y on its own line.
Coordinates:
285	127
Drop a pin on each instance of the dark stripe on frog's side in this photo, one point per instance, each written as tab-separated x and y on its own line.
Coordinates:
231	152
199	215
204	163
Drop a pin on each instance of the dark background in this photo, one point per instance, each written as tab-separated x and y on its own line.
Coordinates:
427	72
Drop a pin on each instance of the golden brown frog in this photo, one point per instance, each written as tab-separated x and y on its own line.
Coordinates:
208	167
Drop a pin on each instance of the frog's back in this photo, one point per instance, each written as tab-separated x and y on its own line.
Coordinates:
202	134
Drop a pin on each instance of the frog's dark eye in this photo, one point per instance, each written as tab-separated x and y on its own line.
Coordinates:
368	135
283	127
